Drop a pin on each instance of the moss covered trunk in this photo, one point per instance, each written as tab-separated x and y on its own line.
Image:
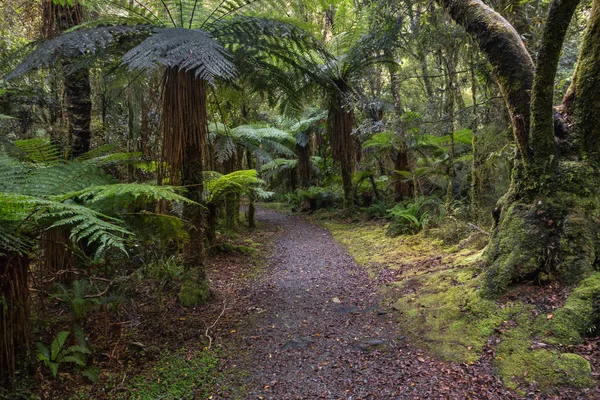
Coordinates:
547	225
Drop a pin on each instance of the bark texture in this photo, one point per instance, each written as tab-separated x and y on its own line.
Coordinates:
57	19
14	312
184	129
339	125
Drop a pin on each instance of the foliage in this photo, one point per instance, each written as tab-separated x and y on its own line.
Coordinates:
57	354
412	217
45	193
218	186
176	376
77	298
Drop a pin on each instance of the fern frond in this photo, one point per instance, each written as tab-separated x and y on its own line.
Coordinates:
186	49
39	151
224	148
79	43
124	194
238	182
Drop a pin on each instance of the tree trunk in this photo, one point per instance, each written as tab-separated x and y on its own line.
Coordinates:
512	65
546	226
449	105
402	189
476	178
14	314
339	125
184	129
57	19
251	198
303	153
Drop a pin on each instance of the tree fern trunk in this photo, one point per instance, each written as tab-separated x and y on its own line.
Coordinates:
184	129
57	19
402	189
14	314
339	124
303	153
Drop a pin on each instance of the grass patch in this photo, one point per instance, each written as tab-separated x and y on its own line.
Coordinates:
441	307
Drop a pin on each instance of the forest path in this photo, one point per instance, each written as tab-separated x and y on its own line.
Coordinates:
314	330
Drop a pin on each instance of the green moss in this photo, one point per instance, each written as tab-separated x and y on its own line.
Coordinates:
580	316
448	315
517	362
442	307
193	293
514	251
176	376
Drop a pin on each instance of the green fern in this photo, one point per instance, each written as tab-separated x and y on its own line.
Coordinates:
218	186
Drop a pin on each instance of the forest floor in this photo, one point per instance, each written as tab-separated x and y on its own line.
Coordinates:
315	329
307	309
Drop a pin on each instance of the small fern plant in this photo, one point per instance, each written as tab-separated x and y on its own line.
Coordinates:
410	218
57	355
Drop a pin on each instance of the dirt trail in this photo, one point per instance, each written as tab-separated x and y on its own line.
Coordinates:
314	329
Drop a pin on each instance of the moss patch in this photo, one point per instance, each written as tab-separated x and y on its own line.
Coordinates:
518	361
370	247
580	316
193	293
441	305
176	376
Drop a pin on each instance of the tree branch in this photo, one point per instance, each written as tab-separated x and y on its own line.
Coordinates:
511	63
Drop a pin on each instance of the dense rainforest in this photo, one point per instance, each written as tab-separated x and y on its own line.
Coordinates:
310	199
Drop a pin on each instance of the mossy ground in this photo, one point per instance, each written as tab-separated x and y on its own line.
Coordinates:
441	307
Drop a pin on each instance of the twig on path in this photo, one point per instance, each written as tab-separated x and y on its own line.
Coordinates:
213	325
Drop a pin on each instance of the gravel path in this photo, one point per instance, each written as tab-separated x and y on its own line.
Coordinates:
315	330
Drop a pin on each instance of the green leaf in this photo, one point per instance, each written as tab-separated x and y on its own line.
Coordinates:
92	373
53	368
76	358
58	343
43	352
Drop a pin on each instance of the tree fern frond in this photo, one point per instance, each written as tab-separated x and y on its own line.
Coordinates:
39	151
238	182
79	43
188	50
224	148
124	194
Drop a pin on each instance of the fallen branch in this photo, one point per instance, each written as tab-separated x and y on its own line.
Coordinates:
479	229
213	325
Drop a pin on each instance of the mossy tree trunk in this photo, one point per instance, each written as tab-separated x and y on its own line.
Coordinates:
478	158
184	122
340	120
547	225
